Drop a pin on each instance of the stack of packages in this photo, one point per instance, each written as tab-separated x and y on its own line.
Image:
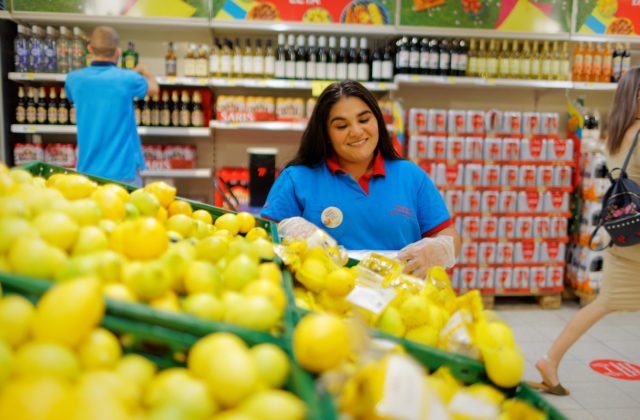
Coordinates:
506	178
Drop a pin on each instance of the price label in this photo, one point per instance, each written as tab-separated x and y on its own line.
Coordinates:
31	129
318	86
234	124
415	77
382	86
171	80
232	82
202	81
491	81
29	76
452	80
372	299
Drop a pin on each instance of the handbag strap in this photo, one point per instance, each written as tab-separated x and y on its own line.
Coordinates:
623	171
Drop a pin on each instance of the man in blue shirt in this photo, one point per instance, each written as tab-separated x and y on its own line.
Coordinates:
108	141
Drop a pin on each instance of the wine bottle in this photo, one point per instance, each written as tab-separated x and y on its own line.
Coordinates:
342	61
236	61
387	63
312	58
445	57
226	60
301	59
363	61
170	63
332	59
185	111
52	107
414	56
433	66
145	112
21	109
269	61
323	57
63	108
41	107
376	64
155	110
247	59
31	113
257	64
290	68
165	110
424	56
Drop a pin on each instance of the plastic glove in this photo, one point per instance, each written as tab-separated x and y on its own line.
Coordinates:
294	228
419	256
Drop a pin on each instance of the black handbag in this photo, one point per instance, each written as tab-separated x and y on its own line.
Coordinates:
620	214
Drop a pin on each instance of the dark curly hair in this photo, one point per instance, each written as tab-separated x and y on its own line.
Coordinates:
315	146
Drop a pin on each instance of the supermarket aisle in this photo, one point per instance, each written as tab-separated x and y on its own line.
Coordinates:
593	396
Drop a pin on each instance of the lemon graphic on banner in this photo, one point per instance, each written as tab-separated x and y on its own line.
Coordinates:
526	17
167	8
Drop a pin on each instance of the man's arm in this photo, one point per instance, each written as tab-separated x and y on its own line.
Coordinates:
152	85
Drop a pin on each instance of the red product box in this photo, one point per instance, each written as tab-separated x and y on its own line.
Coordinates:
487	253
559	226
469	253
531	123
493	120
533	149
530	202
538	276
560	150
490	202
418	120
509	175
457	121
418	147
503	278
455	148
527	176
546	176
437	147
489	227
504	252
449	175
486	278
453	200
507	227
508	201
472	174
491	176
555	277
455	278
512	123
475	122
542	226
563	176
549	123
437	121
471	202
492	149
468	278
470	227
524	227
430	169
473	148
510	150
556	201
520	278
552	252
526	252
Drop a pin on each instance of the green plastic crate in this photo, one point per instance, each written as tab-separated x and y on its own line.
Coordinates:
45	170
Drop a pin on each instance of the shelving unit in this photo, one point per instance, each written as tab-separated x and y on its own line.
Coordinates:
258	125
143	131
177	173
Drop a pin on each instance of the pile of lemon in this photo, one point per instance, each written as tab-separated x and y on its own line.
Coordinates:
145	246
56	363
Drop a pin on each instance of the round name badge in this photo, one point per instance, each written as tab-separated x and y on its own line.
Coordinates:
331	217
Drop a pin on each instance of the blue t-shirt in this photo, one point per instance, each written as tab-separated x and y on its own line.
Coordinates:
401	206
108	141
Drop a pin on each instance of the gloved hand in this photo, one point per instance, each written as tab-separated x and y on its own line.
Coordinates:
294	228
419	256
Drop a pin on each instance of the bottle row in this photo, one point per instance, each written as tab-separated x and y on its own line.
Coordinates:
167	109
506	278
50	50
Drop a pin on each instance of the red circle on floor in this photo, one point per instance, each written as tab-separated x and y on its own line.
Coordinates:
616	369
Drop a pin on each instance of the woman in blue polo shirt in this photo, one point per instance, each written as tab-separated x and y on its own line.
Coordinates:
348	180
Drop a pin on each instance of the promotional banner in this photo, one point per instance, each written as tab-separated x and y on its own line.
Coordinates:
135	8
611	17
542	16
364	12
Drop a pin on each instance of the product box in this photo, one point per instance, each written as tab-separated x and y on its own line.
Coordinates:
289	109
531	123
27	152
490	202
527	176
453	200
559	227
542	226
533	149
469	253
437	147
458	223
538	276
457	121
493	120
563	176
512	123
552	252
556	201
526	252
470	227
503	277
468	278
455	279
510	149
490	176
555	277
549	123
520	278
486	278
475	122
492	149
418	120
60	154
504	252
545	176
489	227
471	203
487	253
455	148
508	201
509	175
530	202
560	150
524	227
449	175
507	227
472	174
430	168
437	121
473	148
418	147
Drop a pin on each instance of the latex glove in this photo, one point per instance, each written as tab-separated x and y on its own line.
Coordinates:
419	256
294	228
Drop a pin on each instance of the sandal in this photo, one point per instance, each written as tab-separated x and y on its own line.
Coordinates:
554	390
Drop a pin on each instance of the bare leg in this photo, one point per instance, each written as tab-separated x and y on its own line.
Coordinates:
584	319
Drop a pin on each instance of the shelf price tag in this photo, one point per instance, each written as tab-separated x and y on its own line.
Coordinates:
232	82
415	77
451	80
31	129
29	76
318	86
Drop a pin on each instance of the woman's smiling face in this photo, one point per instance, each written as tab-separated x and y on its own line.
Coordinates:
353	131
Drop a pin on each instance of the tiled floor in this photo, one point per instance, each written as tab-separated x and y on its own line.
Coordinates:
593	396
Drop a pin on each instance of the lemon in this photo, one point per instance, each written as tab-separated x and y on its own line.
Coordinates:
110	204
131	211
274	404
162	215
198	359
255	233
182	224
272	364
203	215
14	207
191	395
91	402
320	342
180	207
75	186
505	365
147	280
229	222
46	359
231	375
6	183
16	314
239	272
21	176
202	230
118	291
212	248
486	393
337	305
177	259
312	274
167	302
254	312
6	363
120	191
137	369
31	398
146	203
202	277
424	334
224	234
57	228
90	239
103	383
263	248
246	221
414	311
273	292
100	350
68	312
36	258
340	282
270	271
494	335
164	192
13	228
204	305
391	322
85	212
144	239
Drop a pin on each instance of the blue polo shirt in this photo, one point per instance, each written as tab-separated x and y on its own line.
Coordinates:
395	205
108	141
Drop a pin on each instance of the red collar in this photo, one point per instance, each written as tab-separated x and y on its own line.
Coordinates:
378	165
